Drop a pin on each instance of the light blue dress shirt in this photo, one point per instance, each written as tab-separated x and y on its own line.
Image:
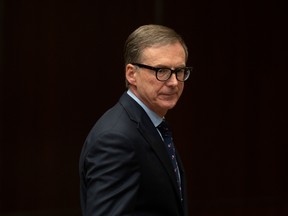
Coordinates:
156	119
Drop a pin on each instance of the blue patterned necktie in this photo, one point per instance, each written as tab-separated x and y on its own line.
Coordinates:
168	140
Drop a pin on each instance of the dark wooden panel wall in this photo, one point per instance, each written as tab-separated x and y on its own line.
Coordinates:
62	67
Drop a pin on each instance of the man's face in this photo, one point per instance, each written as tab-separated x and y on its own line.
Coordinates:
157	95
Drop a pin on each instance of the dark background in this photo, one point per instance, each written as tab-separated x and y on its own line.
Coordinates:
62	67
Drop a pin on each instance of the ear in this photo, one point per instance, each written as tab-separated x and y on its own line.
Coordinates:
130	72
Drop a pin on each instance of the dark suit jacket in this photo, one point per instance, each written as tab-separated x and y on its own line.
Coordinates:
125	169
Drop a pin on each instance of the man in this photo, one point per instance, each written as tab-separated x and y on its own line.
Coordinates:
125	168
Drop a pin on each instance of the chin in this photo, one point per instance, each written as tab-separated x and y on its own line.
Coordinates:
169	106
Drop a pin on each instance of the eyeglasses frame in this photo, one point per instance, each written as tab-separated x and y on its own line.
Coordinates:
175	71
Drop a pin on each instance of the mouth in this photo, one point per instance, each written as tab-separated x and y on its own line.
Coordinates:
168	95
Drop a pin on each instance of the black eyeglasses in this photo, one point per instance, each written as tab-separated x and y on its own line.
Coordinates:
163	74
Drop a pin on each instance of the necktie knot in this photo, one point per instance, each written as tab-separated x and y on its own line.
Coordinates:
164	129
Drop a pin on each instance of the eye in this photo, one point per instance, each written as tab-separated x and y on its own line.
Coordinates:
164	70
180	70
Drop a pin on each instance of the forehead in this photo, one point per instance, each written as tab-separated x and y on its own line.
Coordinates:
168	54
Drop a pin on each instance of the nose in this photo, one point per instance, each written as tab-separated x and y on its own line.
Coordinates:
172	80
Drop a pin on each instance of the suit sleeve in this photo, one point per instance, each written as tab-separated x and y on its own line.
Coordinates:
111	176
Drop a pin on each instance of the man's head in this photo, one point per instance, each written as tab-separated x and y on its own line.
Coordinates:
159	47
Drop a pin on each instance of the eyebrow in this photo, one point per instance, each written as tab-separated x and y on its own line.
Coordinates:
165	66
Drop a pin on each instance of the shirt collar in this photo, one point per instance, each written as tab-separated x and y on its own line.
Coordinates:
156	119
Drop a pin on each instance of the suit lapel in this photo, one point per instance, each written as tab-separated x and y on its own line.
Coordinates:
150	133
152	136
